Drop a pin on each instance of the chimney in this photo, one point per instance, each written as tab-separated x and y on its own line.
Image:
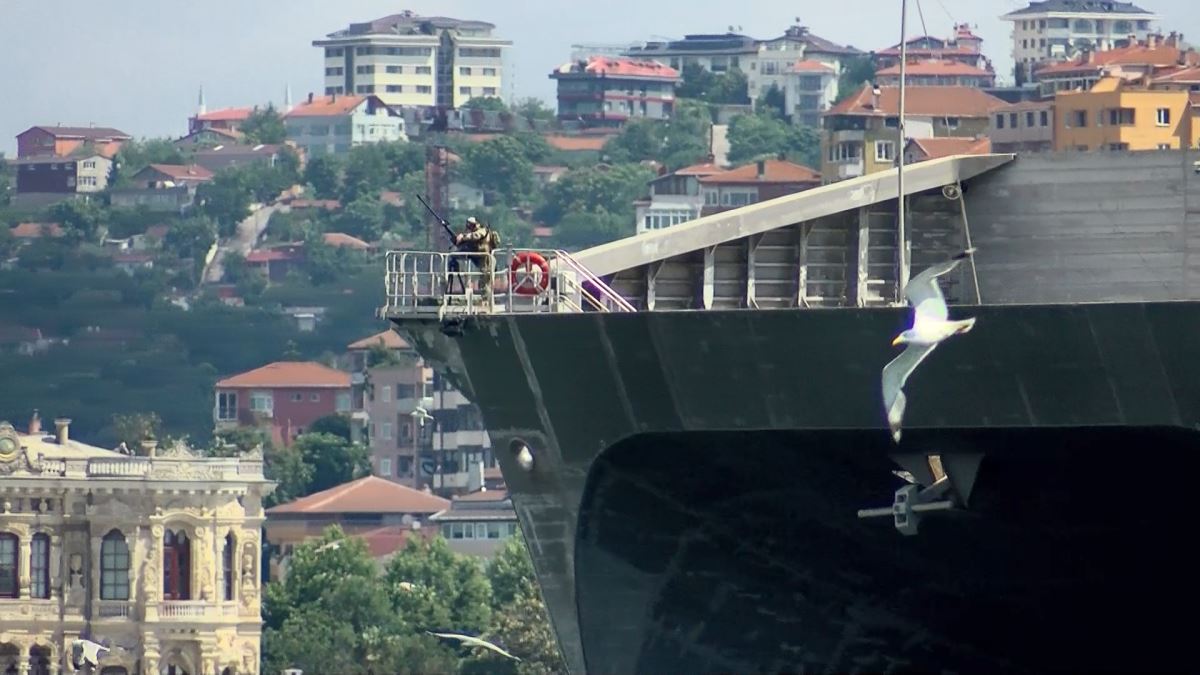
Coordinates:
310	96
35	423
762	168
1152	40
149	446
62	427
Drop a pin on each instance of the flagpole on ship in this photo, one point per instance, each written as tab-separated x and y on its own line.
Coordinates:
901	233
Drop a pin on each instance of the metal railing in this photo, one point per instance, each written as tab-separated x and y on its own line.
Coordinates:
522	281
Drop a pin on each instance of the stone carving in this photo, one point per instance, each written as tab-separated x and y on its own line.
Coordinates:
149	574
249	660
177	449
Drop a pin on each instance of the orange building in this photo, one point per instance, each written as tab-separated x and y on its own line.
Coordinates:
60	141
1116	115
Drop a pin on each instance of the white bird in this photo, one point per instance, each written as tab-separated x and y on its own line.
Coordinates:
336	544
931	325
471	641
85	651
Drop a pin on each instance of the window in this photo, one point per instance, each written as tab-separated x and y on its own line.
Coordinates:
114	567
314	397
464	70
333	72
491	91
333	52
999	121
1012	120
1164	146
1045	118
1118	147
39	566
262	401
405	431
1120	116
465	91
403	466
87	164
480	52
365	89
1029	119
952	122
342	402
297	397
394	89
395	70
364	70
385	431
385	394
424	70
493	530
227	573
1079	118
885	151
489	72
385	467
1162	117
177	571
8	565
424	89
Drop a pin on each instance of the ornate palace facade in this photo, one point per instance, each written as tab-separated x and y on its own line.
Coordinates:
156	551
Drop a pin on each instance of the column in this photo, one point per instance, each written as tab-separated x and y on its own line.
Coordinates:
23	657
91	583
56	554
24	579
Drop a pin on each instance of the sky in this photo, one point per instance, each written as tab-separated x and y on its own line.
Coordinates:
137	65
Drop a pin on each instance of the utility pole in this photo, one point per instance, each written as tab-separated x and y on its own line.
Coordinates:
901	229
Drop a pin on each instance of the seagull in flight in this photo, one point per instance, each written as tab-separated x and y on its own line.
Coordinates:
471	641
85	651
931	324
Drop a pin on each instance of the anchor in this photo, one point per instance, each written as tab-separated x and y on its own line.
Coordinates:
936	483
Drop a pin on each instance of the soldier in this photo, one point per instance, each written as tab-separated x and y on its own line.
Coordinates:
481	240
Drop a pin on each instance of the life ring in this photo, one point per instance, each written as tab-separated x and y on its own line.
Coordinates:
530	284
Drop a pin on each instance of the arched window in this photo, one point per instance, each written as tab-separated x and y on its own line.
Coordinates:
9	545
177	568
39	566
39	660
227	566
114	567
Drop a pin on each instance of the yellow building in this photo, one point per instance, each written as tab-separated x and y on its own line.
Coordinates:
1115	115
158	553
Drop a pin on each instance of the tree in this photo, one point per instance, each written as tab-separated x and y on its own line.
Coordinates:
134	428
858	70
755	136
362	217
508	568
376	166
772	101
264	126
333	460
500	167
432	588
592	206
136	155
486	103
334	425
5	184
8	243
226	199
678	142
533	109
287	467
524	629
324	174
701	84
81	218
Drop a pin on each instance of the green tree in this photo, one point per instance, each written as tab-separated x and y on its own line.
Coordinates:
286	466
700	84
136	155
508	568
500	168
334	425
333	460
678	142
81	218
8	243
226	199
755	136
857	71
5	184
134	428
264	125
486	103
523	627
324	174
377	166
591	206
363	217
772	101
533	109
430	588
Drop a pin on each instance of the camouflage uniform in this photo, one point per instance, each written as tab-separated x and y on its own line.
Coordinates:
476	240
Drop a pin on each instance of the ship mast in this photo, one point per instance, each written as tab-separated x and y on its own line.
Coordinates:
901	234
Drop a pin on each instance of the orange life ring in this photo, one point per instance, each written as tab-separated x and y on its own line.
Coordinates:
529	284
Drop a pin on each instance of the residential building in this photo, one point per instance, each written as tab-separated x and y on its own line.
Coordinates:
60	141
606	91
1186	78
411	60
276	263
285	397
386	396
1115	115
674	198
207	138
860	134
27	232
581	51
225	120
925	149
756	182
964	48
369	506
234	155
764	62
84	174
936	73
809	88
1023	127
1156	55
479	522
171	175
1057	30
333	124
156	549
458	441
162	187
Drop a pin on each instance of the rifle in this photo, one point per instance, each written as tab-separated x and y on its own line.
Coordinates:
443	221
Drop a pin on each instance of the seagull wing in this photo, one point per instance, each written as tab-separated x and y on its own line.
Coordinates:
925	294
77	654
895	374
474	642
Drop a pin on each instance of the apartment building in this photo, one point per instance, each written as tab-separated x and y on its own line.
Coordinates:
417	61
1157	55
1057	30
809	88
674	198
87	174
756	182
163	560
284	397
603	91
1027	126
333	124
936	73
860	134
963	47
60	141
1115	115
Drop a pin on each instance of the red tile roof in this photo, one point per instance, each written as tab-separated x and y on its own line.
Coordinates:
36	230
774	171
289	374
390	339
934	148
810	66
956	101
542	231
327	105
226	115
928	67
1126	56
365	495
270	255
706	169
192	172
327	204
1180	75
157	231
387	540
577	143
86	133
343	240
618	67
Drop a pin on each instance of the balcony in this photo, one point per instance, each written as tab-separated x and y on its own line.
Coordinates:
453	440
187	609
114	609
850	169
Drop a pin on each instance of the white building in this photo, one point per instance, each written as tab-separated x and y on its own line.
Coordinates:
158	552
410	60
335	123
809	88
1056	30
674	198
